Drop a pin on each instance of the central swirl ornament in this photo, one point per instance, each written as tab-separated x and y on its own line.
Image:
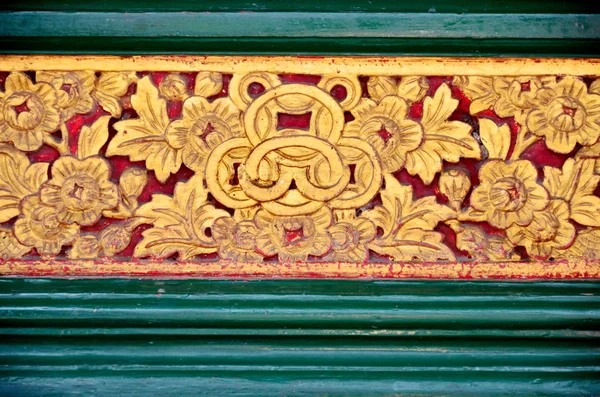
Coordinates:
293	171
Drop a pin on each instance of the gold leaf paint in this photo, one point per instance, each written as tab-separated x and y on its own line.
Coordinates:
323	199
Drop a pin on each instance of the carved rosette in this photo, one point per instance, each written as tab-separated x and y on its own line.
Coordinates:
257	167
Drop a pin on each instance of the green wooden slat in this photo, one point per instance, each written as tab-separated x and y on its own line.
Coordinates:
292	384
300	32
398	355
309	46
440	6
300	25
302	337
303	332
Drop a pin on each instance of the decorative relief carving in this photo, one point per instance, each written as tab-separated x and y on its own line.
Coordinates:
256	167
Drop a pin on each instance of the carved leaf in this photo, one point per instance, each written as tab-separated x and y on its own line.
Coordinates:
408	224
576	183
481	246
179	222
10	247
91	139
415	244
585	246
443	140
20	179
115	239
85	247
479	89
496	139
591	152
557	181
585	205
413	88
595	87
144	138
111	86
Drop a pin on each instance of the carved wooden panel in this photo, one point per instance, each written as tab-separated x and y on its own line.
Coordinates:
299	167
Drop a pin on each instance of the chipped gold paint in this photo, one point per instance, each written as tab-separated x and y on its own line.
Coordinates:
486	270
382	66
290	192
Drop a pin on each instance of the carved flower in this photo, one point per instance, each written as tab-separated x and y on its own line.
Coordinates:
349	240
566	115
549	229
39	227
387	129
509	193
203	127
80	189
515	94
507	96
73	89
27	112
293	238
236	240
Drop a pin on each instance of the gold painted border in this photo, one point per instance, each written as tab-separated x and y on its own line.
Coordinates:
392	66
224	269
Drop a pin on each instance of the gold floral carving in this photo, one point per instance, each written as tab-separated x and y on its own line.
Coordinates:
257	191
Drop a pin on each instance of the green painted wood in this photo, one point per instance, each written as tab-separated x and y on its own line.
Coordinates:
300	25
301	46
432	6
311	337
268	32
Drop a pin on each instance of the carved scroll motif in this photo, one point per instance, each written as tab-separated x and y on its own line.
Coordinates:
262	167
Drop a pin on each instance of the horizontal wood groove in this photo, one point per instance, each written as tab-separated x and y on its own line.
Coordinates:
270	32
439	6
304	337
295	24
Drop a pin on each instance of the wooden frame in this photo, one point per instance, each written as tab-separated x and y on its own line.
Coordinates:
77	335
